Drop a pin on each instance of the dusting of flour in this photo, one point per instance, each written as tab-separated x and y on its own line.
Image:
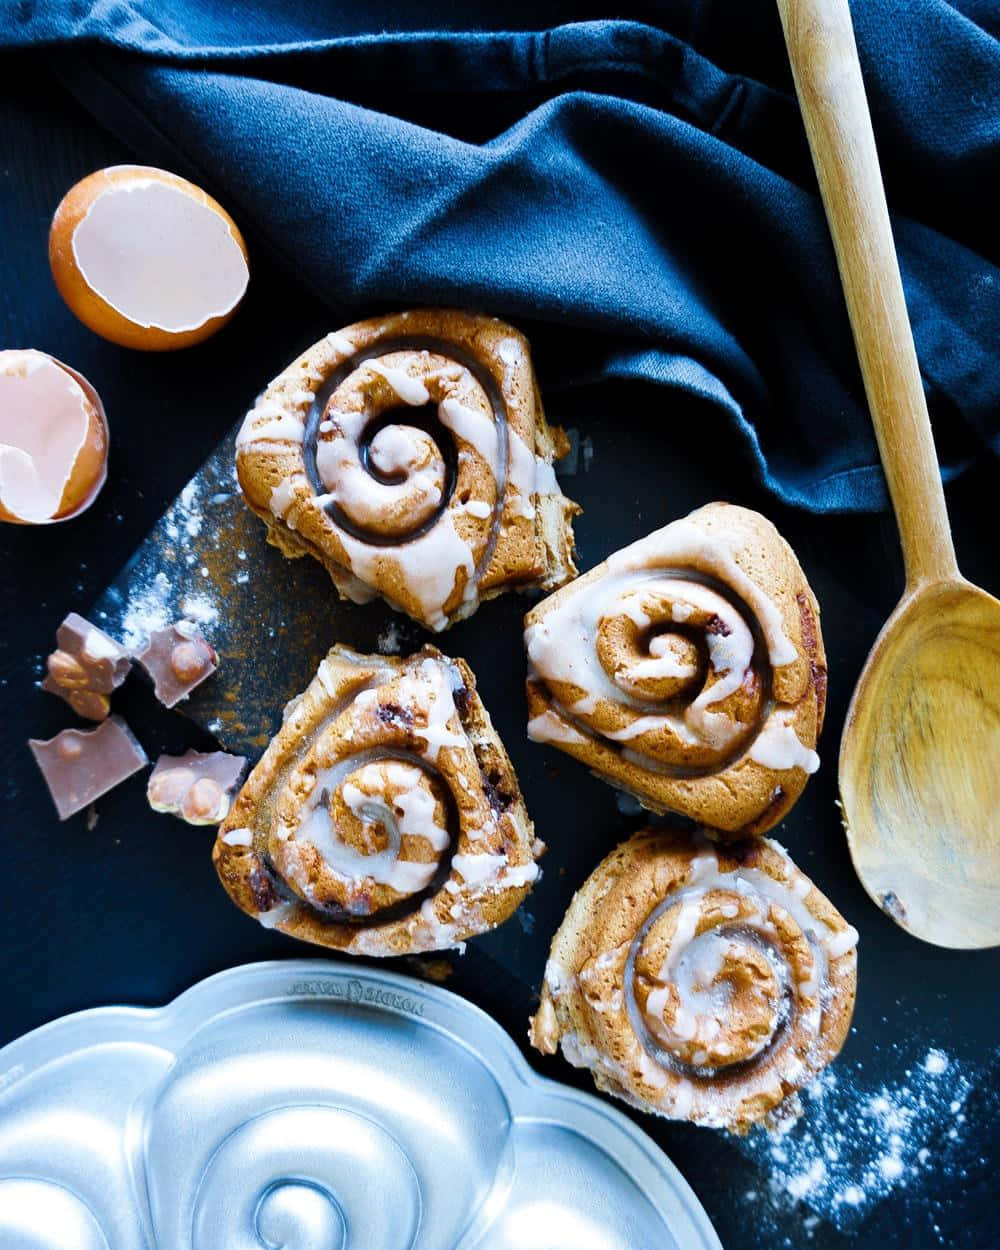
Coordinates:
857	1142
158	592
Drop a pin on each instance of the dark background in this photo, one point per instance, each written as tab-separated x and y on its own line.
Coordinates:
131	912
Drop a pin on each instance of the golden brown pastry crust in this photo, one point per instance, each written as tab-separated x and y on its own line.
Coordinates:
308	845
432	520
699	982
687	669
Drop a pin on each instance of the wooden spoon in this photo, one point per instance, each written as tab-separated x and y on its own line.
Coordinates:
920	755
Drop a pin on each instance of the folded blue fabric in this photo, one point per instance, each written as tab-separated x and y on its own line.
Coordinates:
635	193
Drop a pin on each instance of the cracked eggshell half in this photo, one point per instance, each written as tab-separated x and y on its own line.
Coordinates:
53	440
147	259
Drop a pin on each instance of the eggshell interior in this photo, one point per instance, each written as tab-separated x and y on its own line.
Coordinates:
53	440
160	257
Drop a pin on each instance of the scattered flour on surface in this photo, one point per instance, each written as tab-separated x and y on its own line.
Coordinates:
936	1062
158	592
148	608
855	1144
390	640
184	518
200	609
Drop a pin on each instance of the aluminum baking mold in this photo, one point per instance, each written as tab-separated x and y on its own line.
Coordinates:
312	1106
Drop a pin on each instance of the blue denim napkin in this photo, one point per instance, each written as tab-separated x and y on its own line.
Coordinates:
635	193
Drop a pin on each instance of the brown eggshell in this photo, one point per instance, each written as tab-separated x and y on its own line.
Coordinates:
85	301
89	468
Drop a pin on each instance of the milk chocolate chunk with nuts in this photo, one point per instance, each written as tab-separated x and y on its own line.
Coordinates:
86	667
79	765
198	787
178	659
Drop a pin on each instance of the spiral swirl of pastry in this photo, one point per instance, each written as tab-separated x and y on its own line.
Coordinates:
385	816
411	456
687	669
700	983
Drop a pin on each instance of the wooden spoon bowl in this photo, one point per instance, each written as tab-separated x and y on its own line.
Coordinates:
920	755
920	766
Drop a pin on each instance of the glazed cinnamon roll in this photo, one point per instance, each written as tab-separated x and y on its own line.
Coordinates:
699	982
410	455
385	817
687	669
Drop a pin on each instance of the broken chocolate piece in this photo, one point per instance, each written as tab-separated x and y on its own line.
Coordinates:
198	787
177	659
85	669
79	765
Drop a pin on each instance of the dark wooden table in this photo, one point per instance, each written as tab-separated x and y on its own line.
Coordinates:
130	911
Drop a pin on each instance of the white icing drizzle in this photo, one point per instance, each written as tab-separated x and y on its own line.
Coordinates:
511	354
695	986
428	565
778	746
651	724
395	449
276	916
683	542
521	874
472	427
547	726
416	815
488	871
561	649
410	390
340	343
283	495
557	978
325	679
561	644
428	690
481	870
527	473
412	808
546	482
238	837
693	963
522	474
663	663
838	944
439	935
478	508
280	426
683	1099
303	397
383	867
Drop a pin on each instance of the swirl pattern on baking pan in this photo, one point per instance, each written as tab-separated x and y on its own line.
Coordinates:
699	982
385	816
687	669
411	456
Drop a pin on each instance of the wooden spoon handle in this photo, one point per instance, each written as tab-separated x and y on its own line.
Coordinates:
831	93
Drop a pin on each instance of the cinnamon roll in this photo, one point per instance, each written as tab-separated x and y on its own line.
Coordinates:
699	982
687	669
385	817
410	455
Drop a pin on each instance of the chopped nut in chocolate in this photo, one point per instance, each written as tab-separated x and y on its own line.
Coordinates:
79	765
177	659
86	667
198	787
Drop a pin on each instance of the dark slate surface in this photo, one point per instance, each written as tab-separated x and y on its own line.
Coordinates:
131	911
